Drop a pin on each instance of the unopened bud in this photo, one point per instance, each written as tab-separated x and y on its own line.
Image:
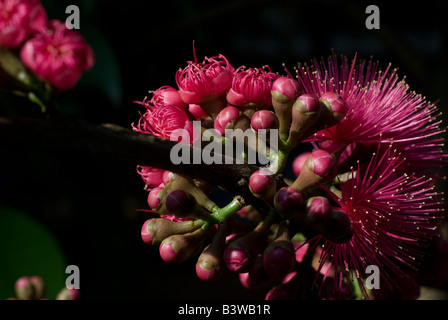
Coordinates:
211	262
155	230
264	119
240	254
305	112
178	248
318	168
299	161
262	185
289	201
226	119
319	209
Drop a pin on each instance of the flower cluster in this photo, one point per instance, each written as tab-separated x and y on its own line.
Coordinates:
54	53
365	194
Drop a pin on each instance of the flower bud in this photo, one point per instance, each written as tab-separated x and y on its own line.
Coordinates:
24	288
178	248
155	198
211	262
319	167
305	112
262	185
184	205
284	92
338	228
69	294
299	161
335	104
289	201
226	119
176	181
39	286
279	256
264	119
240	255
155	230
319	209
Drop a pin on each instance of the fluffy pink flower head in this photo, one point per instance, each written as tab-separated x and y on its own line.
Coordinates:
168	95
18	19
58	55
394	217
202	82
166	122
252	87
380	109
152	177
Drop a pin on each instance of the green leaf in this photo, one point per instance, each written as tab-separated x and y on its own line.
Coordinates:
28	248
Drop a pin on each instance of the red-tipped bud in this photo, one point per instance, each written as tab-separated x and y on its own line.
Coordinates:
155	197
240	254
308	103
226	119
299	161
339	228
319	209
211	262
179	201
262	184
335	103
24	289
305	112
184	205
39	286
154	231
237	259
178	248
264	119
319	167
69	294
279	257
288	200
285	89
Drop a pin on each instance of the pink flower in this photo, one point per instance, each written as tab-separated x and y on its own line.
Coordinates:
394	217
202	82
167	95
381	109
152	177
18	19
58	55
252	87
166	122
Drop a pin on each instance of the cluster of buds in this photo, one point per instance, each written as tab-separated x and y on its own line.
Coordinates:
34	288
316	233
55	54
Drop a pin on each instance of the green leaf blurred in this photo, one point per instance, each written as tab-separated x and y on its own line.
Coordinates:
28	248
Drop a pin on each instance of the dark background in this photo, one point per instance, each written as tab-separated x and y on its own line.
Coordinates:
91	205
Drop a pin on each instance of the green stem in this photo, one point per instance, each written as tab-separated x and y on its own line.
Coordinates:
222	214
